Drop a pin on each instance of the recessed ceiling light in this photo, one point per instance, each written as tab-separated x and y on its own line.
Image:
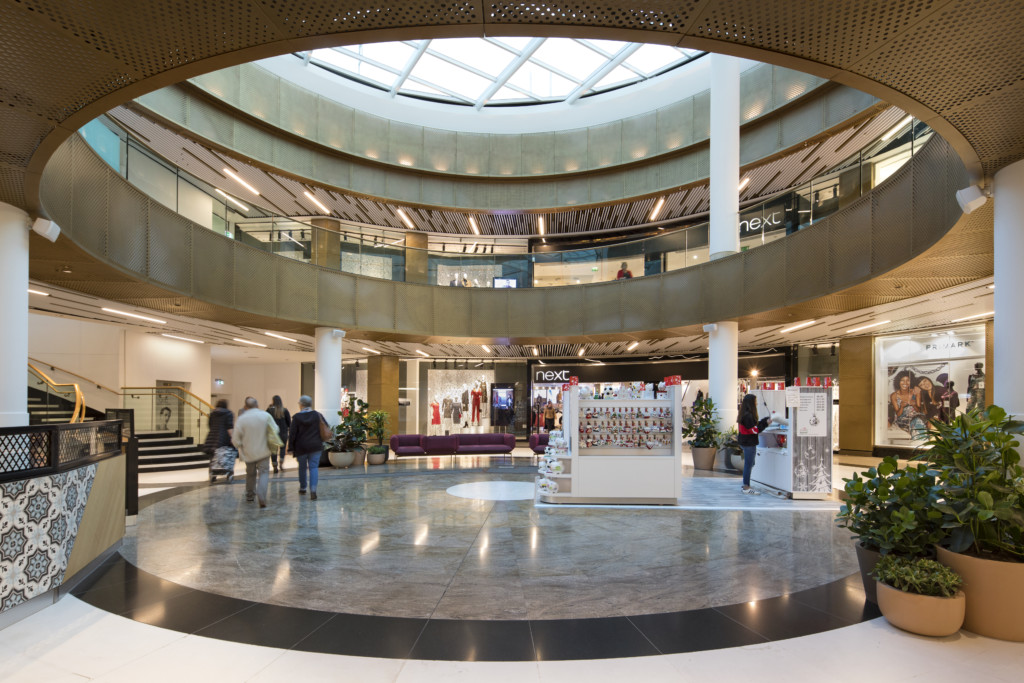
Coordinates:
135	315
972	317
583	349
36	291
371	350
991	286
657	208
246	341
797	327
867	327
535	352
633	346
744	183
405	219
427	355
486	348
319	204
895	129
234	176
174	336
540	224
280	336
231	199
473	226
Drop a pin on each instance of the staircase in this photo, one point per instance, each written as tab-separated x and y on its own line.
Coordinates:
166	451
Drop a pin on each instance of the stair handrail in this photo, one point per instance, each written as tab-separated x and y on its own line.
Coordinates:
171	391
75	374
78	414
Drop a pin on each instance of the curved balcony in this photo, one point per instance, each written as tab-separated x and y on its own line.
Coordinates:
382	252
122	228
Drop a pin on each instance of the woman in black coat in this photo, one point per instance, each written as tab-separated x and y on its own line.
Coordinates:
749	427
284	421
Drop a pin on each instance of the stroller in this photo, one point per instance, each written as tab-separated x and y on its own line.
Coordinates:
223	463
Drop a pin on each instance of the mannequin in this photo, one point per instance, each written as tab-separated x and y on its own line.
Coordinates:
435	417
475	399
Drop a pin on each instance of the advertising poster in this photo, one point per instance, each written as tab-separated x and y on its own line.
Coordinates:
917	397
812	414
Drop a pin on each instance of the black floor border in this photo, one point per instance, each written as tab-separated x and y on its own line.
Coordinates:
120	587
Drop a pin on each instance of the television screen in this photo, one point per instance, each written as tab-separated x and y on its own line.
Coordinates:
504	283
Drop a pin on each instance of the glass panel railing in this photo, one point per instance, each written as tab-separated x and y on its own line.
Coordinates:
95	396
168	409
50	402
380	252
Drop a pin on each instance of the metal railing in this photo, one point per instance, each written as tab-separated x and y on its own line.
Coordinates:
32	451
56	397
380	252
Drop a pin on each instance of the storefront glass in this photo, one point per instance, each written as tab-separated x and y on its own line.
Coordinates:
926	376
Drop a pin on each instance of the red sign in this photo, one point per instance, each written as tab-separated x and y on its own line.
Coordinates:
574	381
814	381
565	387
796	381
673	381
828	381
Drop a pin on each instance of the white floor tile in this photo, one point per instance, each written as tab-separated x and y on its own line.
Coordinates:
312	667
418	671
196	658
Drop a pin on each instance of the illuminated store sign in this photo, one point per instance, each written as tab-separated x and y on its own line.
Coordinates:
768	219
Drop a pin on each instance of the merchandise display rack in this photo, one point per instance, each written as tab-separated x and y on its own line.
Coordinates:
632	453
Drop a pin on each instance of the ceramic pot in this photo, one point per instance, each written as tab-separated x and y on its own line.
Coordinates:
731	461
704	458
376	458
995	594
360	456
867	559
925	615
341	458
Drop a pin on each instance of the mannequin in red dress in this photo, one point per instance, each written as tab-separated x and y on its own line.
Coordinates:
475	399
435	417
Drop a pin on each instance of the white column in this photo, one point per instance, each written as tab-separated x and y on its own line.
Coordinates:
724	237
722	360
13	316
1008	240
725	155
328	373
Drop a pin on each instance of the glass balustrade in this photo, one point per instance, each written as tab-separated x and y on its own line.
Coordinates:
380	252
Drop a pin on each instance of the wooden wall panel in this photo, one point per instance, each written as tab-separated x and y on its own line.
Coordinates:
856	394
103	522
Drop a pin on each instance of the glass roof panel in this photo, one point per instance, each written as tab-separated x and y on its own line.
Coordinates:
464	70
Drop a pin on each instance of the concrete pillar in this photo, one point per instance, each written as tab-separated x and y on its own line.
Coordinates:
416	261
326	243
724	239
382	389
722	373
1008	240
724	232
328	373
14	316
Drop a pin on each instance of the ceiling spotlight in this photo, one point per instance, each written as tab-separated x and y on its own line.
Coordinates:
234	176
319	204
633	346
486	348
753	373
797	327
583	350
657	208
540	224
280	336
174	336
744	183
246	341
425	355
535	352
135	315
991	286
473	226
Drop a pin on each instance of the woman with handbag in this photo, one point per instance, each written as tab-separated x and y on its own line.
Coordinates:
306	442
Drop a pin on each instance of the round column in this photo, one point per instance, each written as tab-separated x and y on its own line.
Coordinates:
724	234
1008	241
723	343
14	316
328	373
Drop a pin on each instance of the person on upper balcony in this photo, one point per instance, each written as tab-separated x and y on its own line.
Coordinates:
624	272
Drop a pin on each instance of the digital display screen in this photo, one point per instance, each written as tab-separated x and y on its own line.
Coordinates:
504	283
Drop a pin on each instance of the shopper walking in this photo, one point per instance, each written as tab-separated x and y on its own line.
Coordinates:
255	437
305	444
549	417
221	422
284	420
749	427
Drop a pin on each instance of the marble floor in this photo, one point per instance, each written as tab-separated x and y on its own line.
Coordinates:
390	577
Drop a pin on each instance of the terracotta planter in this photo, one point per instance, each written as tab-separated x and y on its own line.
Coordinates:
341	458
867	559
376	458
995	594
704	458
360	456
925	615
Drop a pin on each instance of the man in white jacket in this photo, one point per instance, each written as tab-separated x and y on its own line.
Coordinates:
254	434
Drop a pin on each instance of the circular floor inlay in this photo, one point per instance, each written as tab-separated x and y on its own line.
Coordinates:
493	490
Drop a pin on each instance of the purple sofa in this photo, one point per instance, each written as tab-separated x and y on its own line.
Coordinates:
457	444
538	442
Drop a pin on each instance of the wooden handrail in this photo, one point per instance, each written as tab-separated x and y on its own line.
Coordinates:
163	391
75	374
78	414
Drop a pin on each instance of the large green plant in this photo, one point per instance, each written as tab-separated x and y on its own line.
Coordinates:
982	482
701	425
350	433
917	575
377	425
892	511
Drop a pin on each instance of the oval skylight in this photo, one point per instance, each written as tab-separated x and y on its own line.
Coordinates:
481	72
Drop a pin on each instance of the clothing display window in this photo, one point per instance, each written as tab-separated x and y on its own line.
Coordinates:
923	377
455	400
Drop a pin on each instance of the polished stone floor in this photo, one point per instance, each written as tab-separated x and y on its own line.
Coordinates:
399	545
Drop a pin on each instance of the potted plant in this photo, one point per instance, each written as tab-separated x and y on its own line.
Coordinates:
730	450
982	493
347	446
376	427
700	426
891	511
920	595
